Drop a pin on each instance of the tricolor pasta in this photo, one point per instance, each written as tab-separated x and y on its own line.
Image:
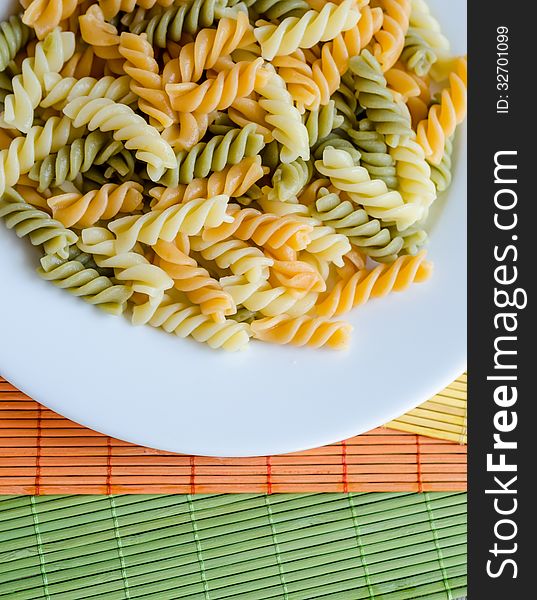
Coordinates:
228	170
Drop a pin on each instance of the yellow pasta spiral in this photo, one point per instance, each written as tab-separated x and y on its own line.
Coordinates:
364	284
77	210
391	37
306	31
190	218
195	281
208	46
233	181
443	118
126	125
102	36
302	331
262	228
45	15
215	94
24	151
237	256
328	245
130	267
28	87
373	195
185	320
146	82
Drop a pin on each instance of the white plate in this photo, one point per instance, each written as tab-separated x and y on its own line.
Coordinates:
144	386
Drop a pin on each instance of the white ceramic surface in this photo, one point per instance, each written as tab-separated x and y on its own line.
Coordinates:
144	386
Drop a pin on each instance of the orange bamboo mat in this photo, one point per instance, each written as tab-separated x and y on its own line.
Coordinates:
44	453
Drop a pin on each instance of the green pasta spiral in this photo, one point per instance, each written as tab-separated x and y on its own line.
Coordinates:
84	281
375	156
345	101
371	89
14	34
441	173
187	17
289	179
214	155
337	139
363	231
29	221
417	53
320	123
280	9
97	148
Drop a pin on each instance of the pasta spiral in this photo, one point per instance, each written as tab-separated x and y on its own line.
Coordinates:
297	275
146	81
428	28
302	331
72	160
441	173
306	31
280	9
365	233
391	37
208	46
14	34
374	153
185	320
320	123
417	53
443	118
289	179
215	94
236	255
130	267
262	228
61	90
244	111
373	195
189	218
261	297
285	119
187	17
23	152
107	115
102	36
415	184
29	221
377	99
77	210
44	15
376	283
111	8
233	181
86	283
214	155
195	281
50	55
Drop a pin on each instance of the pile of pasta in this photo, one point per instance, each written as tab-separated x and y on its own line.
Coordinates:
227	169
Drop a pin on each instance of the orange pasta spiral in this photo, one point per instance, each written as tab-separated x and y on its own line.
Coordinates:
111	8
215	94
208	46
141	66
102	37
443	118
233	181
302	331
244	111
77	210
296	275
84	63
195	281
402	83
262	228
380	281
391	37
45	15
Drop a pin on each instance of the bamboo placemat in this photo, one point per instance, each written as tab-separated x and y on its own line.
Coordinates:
248	547
444	416
44	453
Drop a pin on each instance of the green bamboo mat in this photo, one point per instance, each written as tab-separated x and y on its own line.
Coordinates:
380	546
